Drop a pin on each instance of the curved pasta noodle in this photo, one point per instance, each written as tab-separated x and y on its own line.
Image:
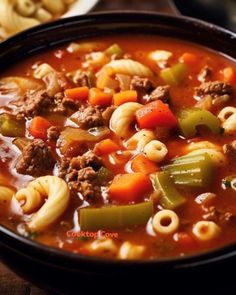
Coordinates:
55	6
165	222
203	145
57	193
130	251
155	150
206	230
104	245
140	139
25	7
6	195
123	117
129	67
43	15
228	118
12	21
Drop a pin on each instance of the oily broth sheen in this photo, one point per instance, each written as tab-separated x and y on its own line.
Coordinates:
157	246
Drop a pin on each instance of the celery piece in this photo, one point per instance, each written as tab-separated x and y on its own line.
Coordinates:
192	170
190	118
174	75
114	50
115	217
170	198
10	126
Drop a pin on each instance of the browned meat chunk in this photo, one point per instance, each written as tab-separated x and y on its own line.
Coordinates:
219	216
88	117
214	89
161	92
106	114
230	149
36	159
205	74
53	133
142	85
81	174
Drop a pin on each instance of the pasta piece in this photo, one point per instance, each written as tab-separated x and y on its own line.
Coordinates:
43	15
6	195
128	67
206	230
104	245
228	118
57	193
12	21
203	145
30	199
140	139
55	6
130	251
25	7
160	55
155	150
123	117
165	222
43	70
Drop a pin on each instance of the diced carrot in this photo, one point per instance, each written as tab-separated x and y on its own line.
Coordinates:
142	164
99	98
78	93
156	114
125	96
229	75
127	188
189	59
38	127
106	146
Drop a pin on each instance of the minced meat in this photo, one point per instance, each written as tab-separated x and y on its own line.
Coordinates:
88	116
160	93
216	88
36	159
142	85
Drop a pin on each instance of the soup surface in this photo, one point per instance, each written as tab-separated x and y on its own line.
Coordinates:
120	147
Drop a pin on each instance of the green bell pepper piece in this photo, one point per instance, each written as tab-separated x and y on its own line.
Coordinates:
170	198
190	118
115	217
174	75
114	50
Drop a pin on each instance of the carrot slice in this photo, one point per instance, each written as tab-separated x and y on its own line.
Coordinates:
125	96
38	127
106	146
127	188
99	98
142	164
78	93
189	59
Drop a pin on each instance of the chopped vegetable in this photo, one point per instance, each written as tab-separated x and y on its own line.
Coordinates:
78	93
124	81
170	198
38	127
106	146
142	164
192	170
174	75
104	175
229	75
127	188
10	126
115	217
114	50
156	114
125	96
160	55
106	79
191	118
99	98
189	59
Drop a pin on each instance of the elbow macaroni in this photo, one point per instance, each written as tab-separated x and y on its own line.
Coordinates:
206	230
227	117
140	139
165	222
123	117
57	193
129	67
6	195
130	251
155	150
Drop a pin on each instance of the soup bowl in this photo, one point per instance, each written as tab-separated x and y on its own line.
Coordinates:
64	272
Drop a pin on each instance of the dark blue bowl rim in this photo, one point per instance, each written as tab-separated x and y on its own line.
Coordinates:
203	258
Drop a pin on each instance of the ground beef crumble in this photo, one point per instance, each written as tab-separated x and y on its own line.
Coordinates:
216	88
53	133
219	216
142	85
81	174
88	117
36	159
160	93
